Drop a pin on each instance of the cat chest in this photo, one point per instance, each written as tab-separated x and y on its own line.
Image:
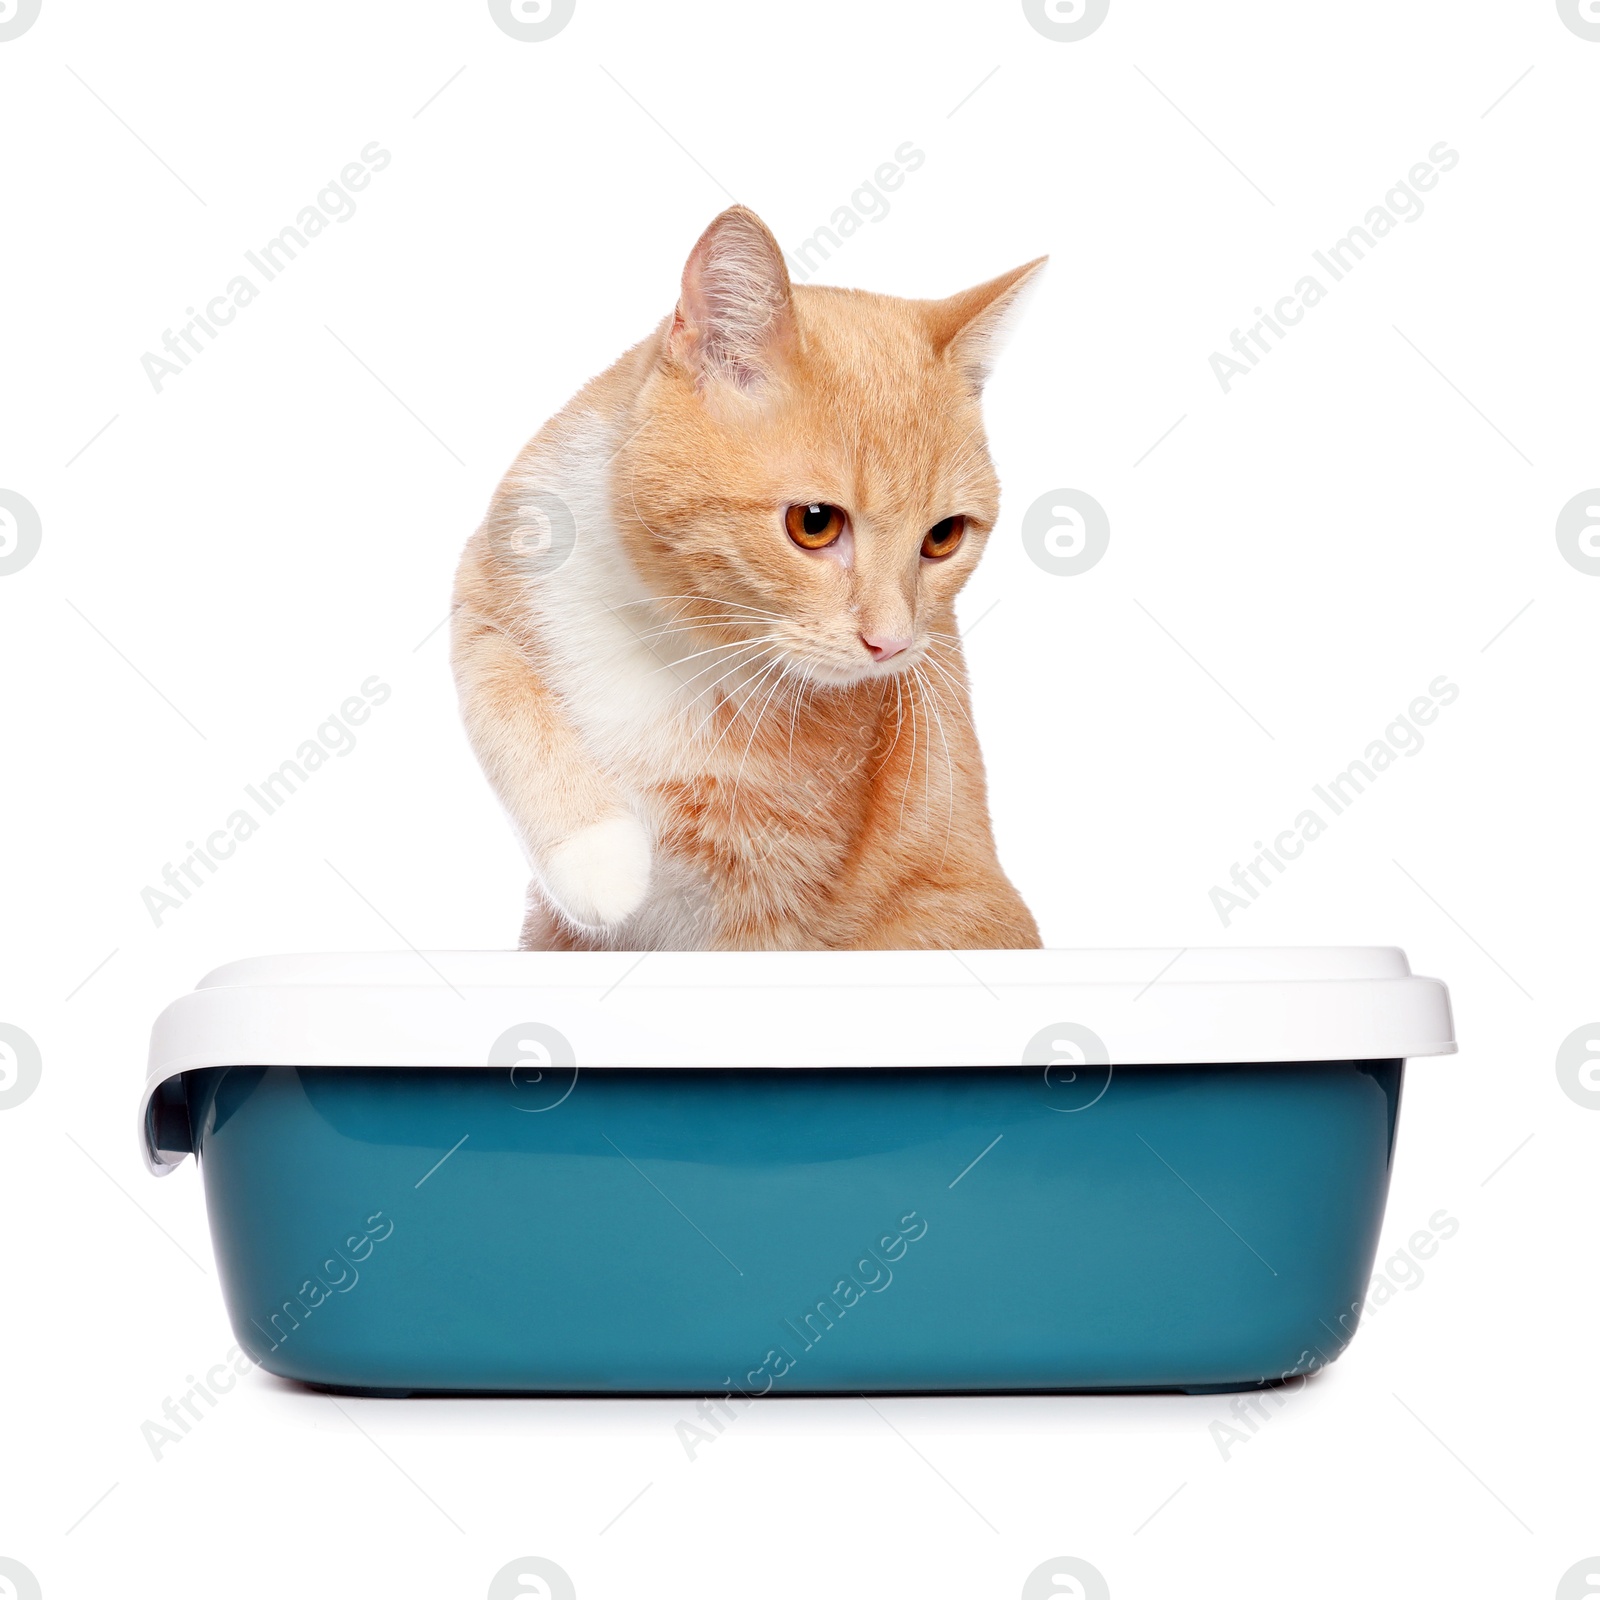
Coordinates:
799	826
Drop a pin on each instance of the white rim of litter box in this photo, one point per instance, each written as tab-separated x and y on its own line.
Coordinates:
807	1009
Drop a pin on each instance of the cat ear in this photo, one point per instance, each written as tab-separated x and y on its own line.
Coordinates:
735	318
969	328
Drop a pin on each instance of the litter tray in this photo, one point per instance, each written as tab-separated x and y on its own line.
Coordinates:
784	1173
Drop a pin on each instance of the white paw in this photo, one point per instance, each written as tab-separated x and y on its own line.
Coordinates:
598	876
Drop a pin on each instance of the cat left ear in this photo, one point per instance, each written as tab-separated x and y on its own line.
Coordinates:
969	328
735	317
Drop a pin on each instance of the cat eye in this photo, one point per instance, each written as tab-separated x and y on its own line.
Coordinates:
814	527
943	537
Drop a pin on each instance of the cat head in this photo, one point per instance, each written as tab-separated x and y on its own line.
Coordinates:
808	469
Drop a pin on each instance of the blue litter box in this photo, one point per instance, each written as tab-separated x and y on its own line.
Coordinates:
786	1173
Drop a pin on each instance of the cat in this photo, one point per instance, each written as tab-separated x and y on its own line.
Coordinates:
704	640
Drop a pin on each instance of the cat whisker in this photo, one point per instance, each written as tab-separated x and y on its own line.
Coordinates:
651	599
954	668
751	692
709	694
949	770
755	728
951	641
710	716
667	630
748	658
956	691
948	642
703	599
716	649
739	624
927	760
683	620
643	638
794	709
911	765
898	722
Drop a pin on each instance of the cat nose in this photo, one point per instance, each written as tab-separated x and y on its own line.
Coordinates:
881	646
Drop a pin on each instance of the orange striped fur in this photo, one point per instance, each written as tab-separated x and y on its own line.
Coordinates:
674	701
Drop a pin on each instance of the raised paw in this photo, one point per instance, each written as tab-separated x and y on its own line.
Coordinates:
598	876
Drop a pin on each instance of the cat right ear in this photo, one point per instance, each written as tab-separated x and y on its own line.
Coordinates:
735	318
969	328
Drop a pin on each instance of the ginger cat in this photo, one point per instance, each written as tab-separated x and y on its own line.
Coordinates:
705	642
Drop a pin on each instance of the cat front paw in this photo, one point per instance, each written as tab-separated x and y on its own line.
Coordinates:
598	876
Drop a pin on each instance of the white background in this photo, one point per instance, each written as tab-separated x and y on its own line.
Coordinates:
1370	508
